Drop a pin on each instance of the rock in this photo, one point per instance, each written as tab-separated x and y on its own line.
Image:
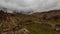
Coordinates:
22	31
57	27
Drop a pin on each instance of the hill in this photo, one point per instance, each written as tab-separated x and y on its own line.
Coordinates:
37	23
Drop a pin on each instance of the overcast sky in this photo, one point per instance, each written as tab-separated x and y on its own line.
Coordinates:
28	5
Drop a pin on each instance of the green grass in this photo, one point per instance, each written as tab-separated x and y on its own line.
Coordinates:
33	28
36	28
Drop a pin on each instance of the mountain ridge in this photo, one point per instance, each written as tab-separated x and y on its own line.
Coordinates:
9	21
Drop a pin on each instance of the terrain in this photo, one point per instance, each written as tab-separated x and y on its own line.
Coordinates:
37	23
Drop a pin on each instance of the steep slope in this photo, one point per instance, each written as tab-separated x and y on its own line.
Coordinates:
33	23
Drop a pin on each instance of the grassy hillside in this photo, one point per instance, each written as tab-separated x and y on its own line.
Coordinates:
37	23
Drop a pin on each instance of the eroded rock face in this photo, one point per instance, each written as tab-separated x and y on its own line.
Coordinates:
49	15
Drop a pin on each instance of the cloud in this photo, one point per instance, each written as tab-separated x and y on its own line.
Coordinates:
29	5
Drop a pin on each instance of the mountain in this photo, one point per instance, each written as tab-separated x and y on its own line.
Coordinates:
34	23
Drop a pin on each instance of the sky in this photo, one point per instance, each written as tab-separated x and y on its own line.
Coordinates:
29	6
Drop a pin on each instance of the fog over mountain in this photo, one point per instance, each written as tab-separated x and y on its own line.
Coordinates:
26	6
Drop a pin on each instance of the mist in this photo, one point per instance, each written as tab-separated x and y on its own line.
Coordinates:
29	6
